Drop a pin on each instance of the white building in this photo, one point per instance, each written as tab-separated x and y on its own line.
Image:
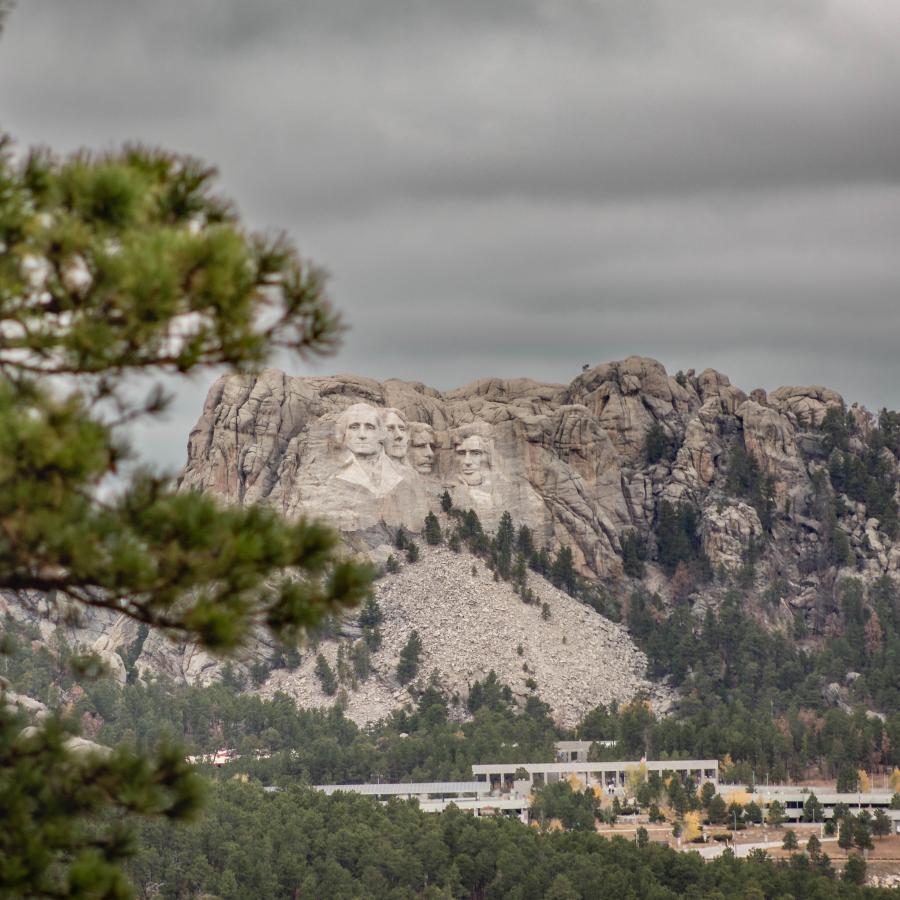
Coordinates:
505	778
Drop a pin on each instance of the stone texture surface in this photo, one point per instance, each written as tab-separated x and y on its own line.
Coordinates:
726	533
569	461
470	624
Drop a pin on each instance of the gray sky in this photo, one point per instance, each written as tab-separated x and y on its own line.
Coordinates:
520	187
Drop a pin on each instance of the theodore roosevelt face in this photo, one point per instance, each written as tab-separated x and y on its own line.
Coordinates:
397	434
362	430
472	458
421	452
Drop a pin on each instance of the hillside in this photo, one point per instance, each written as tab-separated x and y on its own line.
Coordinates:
470	624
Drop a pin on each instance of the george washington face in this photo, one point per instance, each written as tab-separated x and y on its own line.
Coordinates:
361	430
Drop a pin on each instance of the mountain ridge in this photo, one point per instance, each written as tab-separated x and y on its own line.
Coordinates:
678	487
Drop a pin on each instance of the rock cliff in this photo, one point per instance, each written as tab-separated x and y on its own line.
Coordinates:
788	491
571	461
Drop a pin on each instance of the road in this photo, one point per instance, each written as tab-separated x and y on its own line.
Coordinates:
711	851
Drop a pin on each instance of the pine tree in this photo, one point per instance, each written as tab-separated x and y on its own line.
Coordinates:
326	676
503	546
433	534
117	266
562	573
473	533
372	638
855	870
812	809
506	534
775	814
361	660
847	780
408	667
370	616
677	535
658	445
525	541
446	501
862	836
845	833
634	552
717	810
881	823
540	561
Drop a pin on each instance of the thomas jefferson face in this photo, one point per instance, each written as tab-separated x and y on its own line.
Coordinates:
397	439
363	433
472	458
422	450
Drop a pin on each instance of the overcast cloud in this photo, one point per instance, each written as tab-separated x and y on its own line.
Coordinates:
517	188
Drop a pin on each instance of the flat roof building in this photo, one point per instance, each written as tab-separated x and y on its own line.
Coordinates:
577	751
522	777
794	798
436	796
411	790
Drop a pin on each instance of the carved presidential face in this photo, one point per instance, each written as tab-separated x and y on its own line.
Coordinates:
363	434
397	434
421	452
472	459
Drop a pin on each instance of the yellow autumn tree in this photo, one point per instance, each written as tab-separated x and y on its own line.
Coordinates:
691	826
895	780
865	785
725	767
575	782
635	776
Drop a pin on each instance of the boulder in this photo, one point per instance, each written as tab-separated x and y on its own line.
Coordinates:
726	533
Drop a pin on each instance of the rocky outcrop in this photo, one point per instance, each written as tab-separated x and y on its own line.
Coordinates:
569	461
37	714
805	406
627	397
727	533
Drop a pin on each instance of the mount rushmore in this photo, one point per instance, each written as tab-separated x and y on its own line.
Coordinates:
569	461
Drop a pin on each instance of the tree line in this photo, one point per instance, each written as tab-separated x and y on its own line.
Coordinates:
301	843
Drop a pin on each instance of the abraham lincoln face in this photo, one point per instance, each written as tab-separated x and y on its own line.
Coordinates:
472	459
